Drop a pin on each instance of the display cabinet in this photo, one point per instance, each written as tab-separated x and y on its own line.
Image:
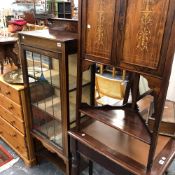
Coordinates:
64	10
60	9
21	6
51	86
136	36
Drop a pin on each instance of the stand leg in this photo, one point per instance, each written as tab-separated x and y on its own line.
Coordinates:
2	67
90	167
2	57
12	55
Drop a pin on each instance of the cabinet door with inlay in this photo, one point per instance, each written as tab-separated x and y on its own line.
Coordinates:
145	31
97	29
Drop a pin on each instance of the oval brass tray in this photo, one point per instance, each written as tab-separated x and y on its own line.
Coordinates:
16	77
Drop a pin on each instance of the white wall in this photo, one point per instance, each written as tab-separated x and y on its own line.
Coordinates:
76	3
6	4
171	89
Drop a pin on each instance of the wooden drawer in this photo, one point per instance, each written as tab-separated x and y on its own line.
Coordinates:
12	107
11	119
10	92
13	137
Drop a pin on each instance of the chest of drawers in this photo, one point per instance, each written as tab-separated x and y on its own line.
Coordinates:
14	125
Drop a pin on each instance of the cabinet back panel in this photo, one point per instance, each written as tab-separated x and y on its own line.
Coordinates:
99	28
144	31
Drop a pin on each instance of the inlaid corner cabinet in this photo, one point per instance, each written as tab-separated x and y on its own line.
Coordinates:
138	36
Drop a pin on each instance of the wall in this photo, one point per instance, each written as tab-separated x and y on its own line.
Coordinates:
6	4
76	3
171	89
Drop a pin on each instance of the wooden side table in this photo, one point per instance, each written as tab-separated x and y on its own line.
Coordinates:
6	51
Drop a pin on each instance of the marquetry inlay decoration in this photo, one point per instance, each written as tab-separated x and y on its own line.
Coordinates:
146	22
100	33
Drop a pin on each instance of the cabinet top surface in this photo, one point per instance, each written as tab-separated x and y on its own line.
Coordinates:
7	40
45	34
16	87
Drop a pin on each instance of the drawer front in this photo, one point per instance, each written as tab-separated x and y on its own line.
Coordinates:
11	119
12	107
9	92
13	137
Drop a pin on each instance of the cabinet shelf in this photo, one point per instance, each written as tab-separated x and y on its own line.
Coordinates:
125	120
128	152
51	108
51	130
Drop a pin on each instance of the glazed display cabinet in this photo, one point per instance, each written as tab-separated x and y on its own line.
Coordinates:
49	82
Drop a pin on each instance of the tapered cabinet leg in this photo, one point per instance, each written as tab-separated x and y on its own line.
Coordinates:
68	168
75	164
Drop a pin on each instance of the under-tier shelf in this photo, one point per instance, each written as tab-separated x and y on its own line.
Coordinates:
121	149
125	120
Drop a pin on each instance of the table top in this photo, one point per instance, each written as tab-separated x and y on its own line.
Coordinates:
7	40
8	68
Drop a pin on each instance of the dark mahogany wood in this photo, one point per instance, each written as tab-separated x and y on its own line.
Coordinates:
137	36
99	29
142	41
112	36
118	153
126	120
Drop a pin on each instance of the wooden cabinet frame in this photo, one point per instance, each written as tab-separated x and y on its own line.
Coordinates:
59	48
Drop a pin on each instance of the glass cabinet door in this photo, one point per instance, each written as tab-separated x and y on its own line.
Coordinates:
72	76
44	84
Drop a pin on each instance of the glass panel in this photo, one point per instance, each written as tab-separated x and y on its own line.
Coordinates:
72	62
43	73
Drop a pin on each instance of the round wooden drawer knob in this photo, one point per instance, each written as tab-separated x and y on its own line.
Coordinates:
7	93
10	107
14	135
12	123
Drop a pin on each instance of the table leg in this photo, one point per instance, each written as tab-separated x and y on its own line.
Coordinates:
2	57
